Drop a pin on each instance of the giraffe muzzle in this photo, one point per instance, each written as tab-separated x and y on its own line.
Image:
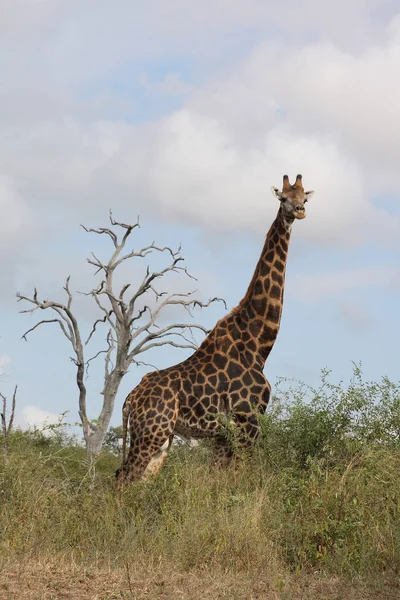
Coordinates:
300	212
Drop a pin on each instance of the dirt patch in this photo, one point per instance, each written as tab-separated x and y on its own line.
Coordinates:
46	582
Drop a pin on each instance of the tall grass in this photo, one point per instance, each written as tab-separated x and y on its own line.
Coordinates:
320	493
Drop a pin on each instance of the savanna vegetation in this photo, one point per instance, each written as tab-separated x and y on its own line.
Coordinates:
312	513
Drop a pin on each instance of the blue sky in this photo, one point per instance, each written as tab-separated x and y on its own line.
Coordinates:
187	116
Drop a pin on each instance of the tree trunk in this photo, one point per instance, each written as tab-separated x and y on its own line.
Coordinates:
94	443
95	438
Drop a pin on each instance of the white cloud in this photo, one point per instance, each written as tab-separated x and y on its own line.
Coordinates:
34	416
17	228
355	316
15	215
326	108
4	361
350	97
213	161
195	169
332	284
77	34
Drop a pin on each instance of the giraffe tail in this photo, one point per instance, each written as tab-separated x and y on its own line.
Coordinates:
125	419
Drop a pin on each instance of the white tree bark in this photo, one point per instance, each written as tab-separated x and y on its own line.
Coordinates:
132	329
6	427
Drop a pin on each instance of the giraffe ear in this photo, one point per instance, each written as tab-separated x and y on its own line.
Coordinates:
277	193
309	194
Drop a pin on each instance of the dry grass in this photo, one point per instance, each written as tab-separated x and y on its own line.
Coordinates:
198	533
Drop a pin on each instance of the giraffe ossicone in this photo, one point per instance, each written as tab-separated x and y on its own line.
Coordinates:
224	377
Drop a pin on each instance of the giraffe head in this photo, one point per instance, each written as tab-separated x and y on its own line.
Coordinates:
292	198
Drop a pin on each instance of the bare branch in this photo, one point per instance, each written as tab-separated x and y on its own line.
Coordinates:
184	270
132	329
193	303
11	419
91	359
118	305
96	263
69	326
7	428
123	290
149	278
139	315
107	312
111	348
140	254
140	363
3	415
160	333
103	320
166	343
66	288
101	231
123	225
24	336
176	299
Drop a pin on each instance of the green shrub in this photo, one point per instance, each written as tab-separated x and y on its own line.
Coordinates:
330	421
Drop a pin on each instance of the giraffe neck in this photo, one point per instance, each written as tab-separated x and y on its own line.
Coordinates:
260	310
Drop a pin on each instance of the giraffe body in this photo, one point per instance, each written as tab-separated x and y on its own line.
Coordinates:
224	378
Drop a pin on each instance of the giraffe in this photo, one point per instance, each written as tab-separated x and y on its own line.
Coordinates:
224	377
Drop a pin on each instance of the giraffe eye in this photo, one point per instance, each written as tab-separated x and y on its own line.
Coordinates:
305	200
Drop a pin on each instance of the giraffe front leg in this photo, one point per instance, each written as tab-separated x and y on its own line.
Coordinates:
222	452
151	435
243	434
248	429
146	456
157	461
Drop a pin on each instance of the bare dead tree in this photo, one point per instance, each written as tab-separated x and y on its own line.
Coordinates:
6	428
131	321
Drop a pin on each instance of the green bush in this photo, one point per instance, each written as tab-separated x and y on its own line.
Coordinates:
330	421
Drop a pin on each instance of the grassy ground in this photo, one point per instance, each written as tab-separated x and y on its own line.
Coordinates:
314	513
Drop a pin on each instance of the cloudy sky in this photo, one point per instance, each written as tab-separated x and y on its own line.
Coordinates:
186	113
